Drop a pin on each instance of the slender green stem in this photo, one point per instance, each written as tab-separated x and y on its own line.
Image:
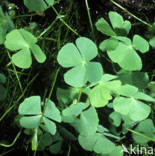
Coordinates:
46	101
13	142
131	14
19	98
140	134
25	15
64	21
51	91
15	71
79	96
89	17
48	28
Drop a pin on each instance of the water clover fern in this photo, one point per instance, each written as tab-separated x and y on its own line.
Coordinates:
78	58
31	112
24	43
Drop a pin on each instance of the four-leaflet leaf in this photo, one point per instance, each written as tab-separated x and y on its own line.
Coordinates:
79	57
30	109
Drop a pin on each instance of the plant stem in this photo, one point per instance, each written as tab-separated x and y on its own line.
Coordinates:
19	98
140	134
64	21
13	142
47	29
15	71
131	14
90	20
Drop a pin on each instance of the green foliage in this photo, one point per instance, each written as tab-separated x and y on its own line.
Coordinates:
2	89
147	129
38	5
79	58
30	109
5	25
97	110
25	43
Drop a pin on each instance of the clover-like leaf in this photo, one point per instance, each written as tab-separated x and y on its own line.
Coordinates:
102	93
97	143
30	106
135	109
152	42
38	5
88	122
32	116
52	112
126	57
79	57
145	127
140	44
25	43
120	27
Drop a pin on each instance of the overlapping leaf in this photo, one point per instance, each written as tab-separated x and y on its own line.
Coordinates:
24	43
79	57
30	109
131	105
97	143
125	53
120	27
147	129
38	5
102	92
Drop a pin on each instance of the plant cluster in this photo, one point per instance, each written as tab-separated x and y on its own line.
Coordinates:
87	97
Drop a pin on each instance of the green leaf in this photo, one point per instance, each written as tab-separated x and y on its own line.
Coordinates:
88	122
78	57
108	44
94	71
52	112
76	77
30	106
126	57
97	143
69	56
140	44
146	128
103	26
2	78
135	109
38	5
143	96
127	90
56	147
137	79
115	19
66	96
120	26
22	58
3	28
50	125
152	42
38	53
74	109
88	52
3	93
24	42
118	151
100	96
116	118
31	122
